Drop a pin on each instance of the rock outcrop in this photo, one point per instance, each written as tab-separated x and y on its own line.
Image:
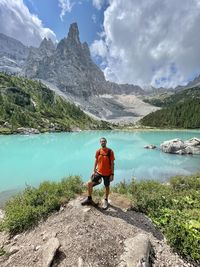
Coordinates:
27	131
88	236
137	252
177	146
150	147
49	251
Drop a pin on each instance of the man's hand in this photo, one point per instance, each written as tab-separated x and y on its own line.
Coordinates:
93	173
111	177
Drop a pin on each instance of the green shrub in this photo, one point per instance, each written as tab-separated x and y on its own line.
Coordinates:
122	187
186	182
33	204
174	208
183	233
149	196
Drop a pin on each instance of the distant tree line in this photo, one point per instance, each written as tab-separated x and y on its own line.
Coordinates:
181	115
177	97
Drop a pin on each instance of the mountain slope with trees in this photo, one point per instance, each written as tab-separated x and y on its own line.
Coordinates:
29	103
181	110
178	97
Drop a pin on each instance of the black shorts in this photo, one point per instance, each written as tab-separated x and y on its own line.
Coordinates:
97	179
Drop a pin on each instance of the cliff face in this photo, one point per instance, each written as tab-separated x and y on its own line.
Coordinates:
12	54
36	56
71	68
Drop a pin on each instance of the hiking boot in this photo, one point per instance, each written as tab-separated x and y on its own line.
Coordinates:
87	201
105	204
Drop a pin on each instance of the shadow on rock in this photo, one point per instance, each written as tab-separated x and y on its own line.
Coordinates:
133	218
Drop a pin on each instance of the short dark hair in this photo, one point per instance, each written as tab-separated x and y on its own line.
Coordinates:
103	138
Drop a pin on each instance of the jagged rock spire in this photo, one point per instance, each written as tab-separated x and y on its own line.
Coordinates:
74	32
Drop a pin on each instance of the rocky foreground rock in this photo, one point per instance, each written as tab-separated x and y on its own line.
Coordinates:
90	237
178	146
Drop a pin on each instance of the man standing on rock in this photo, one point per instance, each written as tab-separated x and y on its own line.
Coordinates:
103	168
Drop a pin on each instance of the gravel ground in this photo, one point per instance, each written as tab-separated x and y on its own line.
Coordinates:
89	236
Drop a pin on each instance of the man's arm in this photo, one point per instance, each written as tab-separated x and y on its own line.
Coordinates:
112	168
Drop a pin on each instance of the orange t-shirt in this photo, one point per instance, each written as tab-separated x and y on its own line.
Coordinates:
103	161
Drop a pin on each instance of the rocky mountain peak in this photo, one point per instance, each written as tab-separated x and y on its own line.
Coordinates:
70	68
86	49
47	44
12	54
73	33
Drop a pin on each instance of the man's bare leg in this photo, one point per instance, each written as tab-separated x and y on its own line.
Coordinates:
105	201
90	188
107	191
88	200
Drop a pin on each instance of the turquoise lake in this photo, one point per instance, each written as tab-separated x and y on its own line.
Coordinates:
29	160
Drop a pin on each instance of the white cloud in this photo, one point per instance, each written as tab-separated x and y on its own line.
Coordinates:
98	48
66	6
98	3
16	21
94	18
150	42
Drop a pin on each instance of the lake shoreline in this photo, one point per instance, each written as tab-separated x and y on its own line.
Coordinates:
126	129
6	195
51	156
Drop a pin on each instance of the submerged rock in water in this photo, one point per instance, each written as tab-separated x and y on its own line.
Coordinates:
150	147
177	146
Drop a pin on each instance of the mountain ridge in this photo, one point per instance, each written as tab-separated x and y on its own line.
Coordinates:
68	66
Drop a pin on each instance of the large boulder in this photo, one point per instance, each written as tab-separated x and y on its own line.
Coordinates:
49	251
136	252
177	146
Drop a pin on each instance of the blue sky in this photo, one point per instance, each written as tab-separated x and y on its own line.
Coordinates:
82	12
148	43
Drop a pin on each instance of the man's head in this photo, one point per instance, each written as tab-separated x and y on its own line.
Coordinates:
103	141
